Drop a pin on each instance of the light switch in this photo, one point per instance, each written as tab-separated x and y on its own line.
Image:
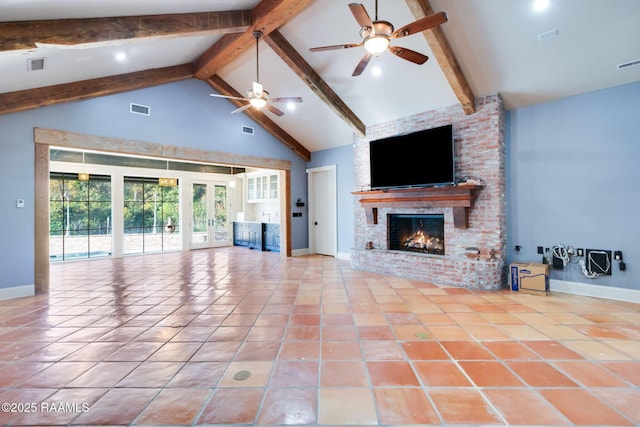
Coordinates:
20	203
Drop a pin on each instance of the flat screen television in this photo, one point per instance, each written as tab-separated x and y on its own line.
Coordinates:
419	159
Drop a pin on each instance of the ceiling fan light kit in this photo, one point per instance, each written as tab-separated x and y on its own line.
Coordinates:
257	97
377	34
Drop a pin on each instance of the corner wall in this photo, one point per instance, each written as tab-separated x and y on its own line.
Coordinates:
572	169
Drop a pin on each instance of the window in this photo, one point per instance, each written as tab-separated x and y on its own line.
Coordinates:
80	222
151	216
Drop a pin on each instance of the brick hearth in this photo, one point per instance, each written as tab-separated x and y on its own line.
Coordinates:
480	154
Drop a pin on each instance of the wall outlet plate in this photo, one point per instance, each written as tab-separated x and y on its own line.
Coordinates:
598	261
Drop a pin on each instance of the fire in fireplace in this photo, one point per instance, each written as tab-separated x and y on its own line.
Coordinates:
416	233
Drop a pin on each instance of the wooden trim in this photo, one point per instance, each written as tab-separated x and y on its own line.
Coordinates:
460	198
287	211
298	65
223	88
41	219
445	57
29	99
25	35
60	138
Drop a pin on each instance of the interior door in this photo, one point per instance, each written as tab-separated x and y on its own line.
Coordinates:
322	206
209	215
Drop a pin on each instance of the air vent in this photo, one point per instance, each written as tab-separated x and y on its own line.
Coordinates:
140	109
548	35
247	130
36	64
629	64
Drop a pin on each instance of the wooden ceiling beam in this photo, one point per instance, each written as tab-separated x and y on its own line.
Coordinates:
223	88
73	32
298	65
267	16
445	57
29	99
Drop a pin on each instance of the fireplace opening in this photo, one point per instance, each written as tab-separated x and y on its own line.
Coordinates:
416	233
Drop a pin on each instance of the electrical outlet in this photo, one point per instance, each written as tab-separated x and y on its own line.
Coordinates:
517	248
617	255
540	250
580	252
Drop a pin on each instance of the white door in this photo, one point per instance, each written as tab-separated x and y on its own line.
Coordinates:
209	215
322	211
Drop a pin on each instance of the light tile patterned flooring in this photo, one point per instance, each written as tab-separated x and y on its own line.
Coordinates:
158	339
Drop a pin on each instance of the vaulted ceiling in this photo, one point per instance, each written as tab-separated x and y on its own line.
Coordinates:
487	46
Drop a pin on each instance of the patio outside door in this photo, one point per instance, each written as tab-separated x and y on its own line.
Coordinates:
209	215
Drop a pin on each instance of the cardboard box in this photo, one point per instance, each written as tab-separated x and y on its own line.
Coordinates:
529	278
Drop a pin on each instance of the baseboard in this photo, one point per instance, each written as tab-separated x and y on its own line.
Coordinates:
300	252
599	291
344	255
17	292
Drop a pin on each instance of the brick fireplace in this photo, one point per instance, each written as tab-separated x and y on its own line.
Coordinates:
474	216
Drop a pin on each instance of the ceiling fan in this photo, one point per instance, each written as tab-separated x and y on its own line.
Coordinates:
258	97
376	36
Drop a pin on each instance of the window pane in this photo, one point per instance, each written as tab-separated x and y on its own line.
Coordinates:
78	218
132	191
100	245
100	217
100	190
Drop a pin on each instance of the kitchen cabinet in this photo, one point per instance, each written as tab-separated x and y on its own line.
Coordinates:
261	188
257	235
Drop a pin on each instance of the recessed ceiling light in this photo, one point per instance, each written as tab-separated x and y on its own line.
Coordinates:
540	5
376	71
121	56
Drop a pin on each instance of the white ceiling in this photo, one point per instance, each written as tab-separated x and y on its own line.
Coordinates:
495	42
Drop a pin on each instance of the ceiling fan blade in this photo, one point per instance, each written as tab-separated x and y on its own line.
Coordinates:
228	97
296	99
361	15
238	110
362	64
421	25
334	47
408	54
257	89
274	110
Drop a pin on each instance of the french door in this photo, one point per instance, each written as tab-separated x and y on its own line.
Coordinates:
209	215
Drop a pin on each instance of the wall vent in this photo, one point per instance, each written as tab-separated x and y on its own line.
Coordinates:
35	64
629	64
247	130
139	109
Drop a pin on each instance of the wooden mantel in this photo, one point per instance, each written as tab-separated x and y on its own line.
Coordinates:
459	197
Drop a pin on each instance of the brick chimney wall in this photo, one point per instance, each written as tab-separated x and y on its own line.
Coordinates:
479	143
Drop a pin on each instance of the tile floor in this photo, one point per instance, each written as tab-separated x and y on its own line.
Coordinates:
161	339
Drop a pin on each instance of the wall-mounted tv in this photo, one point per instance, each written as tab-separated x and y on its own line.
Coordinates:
419	159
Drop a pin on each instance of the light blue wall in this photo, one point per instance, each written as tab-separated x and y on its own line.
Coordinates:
182	114
342	157
572	178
